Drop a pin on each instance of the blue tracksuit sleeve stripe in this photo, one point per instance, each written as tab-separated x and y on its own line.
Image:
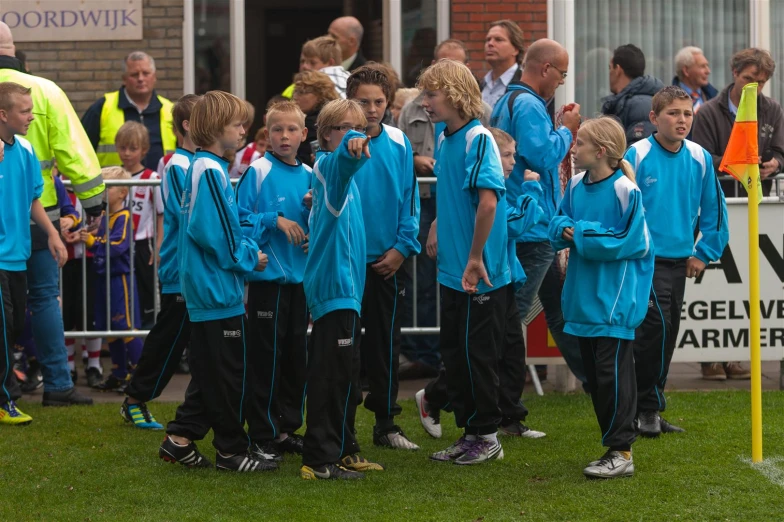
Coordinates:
226	242
627	239
335	171
408	227
713	219
526	213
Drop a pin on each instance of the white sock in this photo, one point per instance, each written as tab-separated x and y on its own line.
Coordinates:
93	349
70	349
493	437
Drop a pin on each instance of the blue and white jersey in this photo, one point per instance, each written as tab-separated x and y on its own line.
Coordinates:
172	182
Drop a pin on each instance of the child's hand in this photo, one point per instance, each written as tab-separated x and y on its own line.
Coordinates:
262	264
85	235
389	263
71	237
474	272
307	200
293	231
432	242
530	175
568	234
66	223
57	249
306	244
359	146
694	267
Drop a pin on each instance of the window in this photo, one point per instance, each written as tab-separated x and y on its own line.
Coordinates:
419	37
776	45
719	27
212	45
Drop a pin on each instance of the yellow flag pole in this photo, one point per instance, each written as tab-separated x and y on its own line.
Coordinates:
754	312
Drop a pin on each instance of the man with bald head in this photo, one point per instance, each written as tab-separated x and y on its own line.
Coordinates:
522	112
348	32
55	134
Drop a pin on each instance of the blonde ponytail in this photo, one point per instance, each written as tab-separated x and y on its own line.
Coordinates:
627	170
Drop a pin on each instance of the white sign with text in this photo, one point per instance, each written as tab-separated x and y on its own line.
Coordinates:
72	20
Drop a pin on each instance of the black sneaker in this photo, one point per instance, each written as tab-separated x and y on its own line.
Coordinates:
188	456
94	377
329	472
291	444
112	383
266	451
66	398
243	462
666	427
649	423
34	378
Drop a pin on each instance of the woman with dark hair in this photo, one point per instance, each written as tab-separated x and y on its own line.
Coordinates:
312	90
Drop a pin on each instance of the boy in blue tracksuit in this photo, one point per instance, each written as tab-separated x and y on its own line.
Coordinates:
21	186
511	357
167	340
473	267
334	282
214	259
522	112
681	194
272	212
122	303
390	203
601	219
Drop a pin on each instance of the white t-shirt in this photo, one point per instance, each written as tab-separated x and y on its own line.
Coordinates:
141	205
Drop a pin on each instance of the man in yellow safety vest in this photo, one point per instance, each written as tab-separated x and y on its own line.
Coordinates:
136	100
55	135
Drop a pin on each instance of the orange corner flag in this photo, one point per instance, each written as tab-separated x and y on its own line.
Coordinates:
741	158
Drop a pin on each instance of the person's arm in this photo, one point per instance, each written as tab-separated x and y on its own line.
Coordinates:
158	197
542	147
69	217
475	270
56	247
335	171
713	221
408	228
705	133
626	239
521	217
225	242
120	237
561	222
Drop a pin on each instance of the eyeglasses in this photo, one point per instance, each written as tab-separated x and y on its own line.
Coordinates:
346	128
564	74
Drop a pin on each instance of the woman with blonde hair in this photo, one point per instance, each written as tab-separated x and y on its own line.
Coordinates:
312	90
608	280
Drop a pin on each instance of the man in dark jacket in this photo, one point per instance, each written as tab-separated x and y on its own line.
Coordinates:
712	128
632	92
692	71
348	31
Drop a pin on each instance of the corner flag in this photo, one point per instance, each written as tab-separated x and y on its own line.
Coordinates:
741	158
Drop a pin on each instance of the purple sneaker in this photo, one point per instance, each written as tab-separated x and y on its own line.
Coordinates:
482	450
460	447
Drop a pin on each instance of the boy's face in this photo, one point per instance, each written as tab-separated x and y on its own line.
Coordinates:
131	155
437	106
116	196
374	104
19	116
286	134
507	151
674	121
312	63
337	132
232	135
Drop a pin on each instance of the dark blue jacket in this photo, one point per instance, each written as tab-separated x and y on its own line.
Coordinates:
633	105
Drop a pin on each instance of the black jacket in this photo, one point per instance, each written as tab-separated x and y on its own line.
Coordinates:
633	105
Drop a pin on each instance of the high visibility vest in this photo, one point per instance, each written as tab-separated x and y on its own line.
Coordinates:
57	134
113	117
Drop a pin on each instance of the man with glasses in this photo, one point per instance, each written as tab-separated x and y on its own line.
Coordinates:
522	112
632	92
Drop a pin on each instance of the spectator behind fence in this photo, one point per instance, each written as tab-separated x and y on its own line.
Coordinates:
312	90
55	134
249	152
146	205
348	32
21	185
632	92
504	51
323	54
111	248
402	97
137	101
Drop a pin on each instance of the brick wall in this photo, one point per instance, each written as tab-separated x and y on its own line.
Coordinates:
87	70
470	21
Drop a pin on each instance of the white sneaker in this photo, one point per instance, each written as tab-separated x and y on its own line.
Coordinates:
612	465
430	419
518	429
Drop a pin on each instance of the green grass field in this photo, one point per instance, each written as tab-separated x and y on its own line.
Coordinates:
87	465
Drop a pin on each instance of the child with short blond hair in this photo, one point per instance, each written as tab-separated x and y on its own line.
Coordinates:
323	54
